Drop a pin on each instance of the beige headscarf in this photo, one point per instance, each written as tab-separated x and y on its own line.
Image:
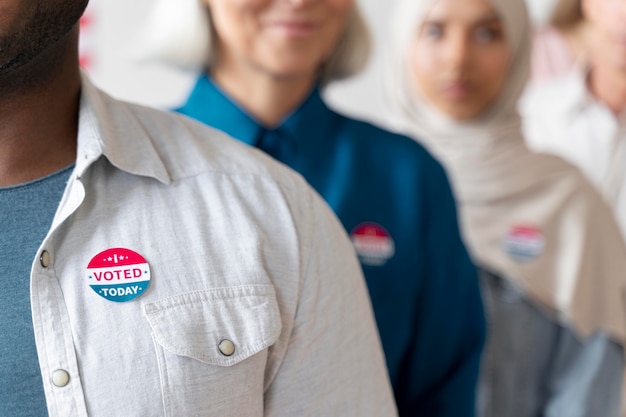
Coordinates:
530	218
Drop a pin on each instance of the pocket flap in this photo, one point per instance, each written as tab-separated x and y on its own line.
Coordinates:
194	324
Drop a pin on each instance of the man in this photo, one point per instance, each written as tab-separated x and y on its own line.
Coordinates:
172	271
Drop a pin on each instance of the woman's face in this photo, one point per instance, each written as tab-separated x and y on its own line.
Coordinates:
460	57
285	38
608	20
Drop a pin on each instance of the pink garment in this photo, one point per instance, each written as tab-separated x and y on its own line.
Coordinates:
551	56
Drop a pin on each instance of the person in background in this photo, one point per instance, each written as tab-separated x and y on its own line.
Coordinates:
263	72
552	258
152	266
580	116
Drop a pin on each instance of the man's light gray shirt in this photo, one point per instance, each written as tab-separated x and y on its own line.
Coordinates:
255	306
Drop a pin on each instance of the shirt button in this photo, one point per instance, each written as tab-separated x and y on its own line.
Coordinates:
44	259
60	378
227	347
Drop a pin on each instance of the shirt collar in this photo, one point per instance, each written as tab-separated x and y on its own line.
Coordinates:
310	122
212	106
110	128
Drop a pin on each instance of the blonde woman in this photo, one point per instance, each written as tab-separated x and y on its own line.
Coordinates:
552	256
261	76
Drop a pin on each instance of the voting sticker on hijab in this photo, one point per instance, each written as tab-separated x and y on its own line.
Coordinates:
523	243
373	244
118	274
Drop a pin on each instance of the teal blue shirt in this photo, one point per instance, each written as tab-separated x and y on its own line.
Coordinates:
26	212
395	201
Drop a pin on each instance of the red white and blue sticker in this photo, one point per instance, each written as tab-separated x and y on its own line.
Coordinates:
523	243
373	244
118	274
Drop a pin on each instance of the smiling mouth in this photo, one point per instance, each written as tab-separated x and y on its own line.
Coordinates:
294	28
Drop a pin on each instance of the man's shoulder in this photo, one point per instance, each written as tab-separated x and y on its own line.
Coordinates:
188	148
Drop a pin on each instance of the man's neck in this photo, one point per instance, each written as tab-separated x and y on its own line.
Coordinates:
267	97
39	114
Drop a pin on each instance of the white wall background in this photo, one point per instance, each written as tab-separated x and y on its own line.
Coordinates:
113	23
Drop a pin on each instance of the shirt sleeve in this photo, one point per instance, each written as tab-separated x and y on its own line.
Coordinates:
440	371
333	363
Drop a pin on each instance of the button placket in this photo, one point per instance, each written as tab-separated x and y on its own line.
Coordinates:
52	325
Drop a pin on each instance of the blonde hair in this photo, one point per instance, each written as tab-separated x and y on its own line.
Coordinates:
180	33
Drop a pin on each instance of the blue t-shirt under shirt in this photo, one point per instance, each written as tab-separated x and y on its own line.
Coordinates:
26	213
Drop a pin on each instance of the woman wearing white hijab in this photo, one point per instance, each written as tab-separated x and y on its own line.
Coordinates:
553	258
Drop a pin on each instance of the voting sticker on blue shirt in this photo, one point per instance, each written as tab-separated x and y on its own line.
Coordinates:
373	244
118	274
523	243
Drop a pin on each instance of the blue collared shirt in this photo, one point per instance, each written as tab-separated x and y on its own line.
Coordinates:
395	201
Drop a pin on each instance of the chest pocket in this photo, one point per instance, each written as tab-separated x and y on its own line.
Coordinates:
211	347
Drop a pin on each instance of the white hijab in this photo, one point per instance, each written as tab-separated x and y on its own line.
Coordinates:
530	218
